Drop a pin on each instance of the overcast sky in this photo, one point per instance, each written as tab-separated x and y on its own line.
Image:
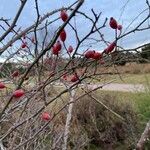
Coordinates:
108	8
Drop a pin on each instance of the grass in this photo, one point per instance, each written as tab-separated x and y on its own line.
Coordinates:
124	79
134	78
140	101
130	73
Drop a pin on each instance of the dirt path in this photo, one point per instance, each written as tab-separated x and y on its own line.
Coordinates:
115	87
120	87
112	87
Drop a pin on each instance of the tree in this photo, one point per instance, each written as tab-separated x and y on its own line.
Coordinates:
145	53
119	58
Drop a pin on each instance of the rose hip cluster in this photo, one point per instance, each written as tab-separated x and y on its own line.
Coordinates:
63	35
96	55
92	54
56	49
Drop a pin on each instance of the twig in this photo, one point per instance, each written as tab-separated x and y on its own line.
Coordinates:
144	137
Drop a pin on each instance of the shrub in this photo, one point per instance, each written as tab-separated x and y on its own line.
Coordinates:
100	127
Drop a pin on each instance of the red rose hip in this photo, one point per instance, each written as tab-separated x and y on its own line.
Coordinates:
18	93
24	45
97	56
63	15
15	74
119	27
89	54
58	46
74	78
54	50
63	35
113	23
2	85
70	49
45	116
110	48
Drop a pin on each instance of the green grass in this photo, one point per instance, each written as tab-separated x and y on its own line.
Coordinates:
140	101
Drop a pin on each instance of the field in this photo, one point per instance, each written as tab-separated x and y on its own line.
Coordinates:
140	102
129	78
89	114
132	73
133	107
104	119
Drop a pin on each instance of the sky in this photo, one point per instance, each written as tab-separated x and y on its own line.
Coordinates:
109	8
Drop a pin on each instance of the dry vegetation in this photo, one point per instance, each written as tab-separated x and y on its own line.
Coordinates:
93	126
129	68
45	100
